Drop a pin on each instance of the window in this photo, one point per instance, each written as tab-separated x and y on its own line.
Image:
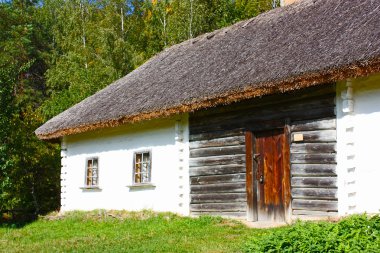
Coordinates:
92	172
142	167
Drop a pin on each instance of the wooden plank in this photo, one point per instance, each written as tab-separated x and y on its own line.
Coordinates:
311	213
286	184
314	182
218	142
313	169
217	179
250	186
311	125
316	205
219	207
317	136
218	197
222	214
315	193
313	158
312	148
230	187
217	160
217	170
217	151
213	134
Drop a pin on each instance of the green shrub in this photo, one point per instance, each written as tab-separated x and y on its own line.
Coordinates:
357	233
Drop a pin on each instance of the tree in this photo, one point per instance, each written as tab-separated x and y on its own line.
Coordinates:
29	169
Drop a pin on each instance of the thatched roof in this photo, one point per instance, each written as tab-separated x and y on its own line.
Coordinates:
297	46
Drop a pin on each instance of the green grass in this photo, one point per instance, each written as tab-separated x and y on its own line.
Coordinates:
117	231
125	232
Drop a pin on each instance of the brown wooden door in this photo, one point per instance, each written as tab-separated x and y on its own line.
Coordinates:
269	179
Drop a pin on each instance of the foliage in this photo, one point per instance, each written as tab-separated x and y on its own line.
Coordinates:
29	171
358	233
55	53
101	231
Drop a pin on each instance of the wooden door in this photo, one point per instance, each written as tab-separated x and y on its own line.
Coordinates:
270	195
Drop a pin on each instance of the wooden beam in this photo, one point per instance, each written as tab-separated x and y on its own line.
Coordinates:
251	194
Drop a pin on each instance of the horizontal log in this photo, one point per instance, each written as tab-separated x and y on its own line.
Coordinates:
313	158
317	136
217	170
313	169
314	182
202	136
217	160
275	99
218	197
218	142
312	148
217	179
311	213
267	112
314	124
228	188
315	193
248	121
217	151
222	207
222	214
316	205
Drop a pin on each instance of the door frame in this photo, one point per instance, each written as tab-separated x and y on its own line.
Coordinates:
251	169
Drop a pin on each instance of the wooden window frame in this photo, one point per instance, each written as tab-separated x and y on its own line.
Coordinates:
149	169
87	186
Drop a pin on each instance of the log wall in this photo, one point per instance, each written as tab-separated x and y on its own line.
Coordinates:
217	152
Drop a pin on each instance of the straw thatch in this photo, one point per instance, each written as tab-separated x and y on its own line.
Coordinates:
293	47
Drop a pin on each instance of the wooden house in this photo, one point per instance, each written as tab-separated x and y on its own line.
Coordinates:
270	119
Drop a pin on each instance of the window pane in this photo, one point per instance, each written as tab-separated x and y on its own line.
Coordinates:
95	163
138	158
89	172
144	168
146	157
137	178
145	178
138	168
89	164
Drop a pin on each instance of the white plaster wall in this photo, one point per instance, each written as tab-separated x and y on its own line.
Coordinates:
166	139
358	132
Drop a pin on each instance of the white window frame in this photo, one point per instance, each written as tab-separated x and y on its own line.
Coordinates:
86	185
142	152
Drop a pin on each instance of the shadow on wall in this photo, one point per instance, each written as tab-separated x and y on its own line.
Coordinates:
147	135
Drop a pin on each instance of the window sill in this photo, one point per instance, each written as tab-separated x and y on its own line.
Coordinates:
90	188
141	186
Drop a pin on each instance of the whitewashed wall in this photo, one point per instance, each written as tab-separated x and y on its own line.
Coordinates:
358	132
168	141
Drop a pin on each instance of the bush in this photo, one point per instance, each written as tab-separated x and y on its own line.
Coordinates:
357	233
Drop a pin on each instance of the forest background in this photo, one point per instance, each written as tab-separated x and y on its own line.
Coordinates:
54	53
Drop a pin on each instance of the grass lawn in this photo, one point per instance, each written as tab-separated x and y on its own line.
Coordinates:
112	231
125	232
